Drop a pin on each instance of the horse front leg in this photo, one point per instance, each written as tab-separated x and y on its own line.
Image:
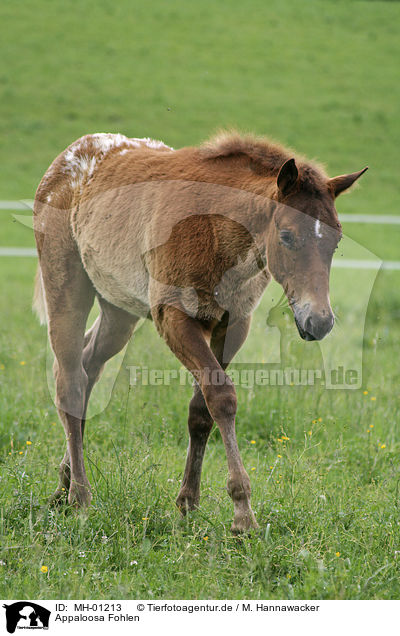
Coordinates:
186	337
226	340
200	424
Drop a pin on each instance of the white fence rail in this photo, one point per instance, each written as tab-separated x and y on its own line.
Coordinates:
376	219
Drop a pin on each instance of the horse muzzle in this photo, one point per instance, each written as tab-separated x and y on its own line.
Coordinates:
312	325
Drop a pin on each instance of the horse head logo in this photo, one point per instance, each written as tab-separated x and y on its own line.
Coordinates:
27	615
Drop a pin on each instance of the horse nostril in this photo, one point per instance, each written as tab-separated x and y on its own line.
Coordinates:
308	325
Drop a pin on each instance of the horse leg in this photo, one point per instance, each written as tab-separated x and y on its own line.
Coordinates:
225	342
186	337
64	475
200	424
108	336
69	298
64	480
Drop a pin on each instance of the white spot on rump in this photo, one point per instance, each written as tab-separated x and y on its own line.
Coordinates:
79	167
154	143
107	141
69	155
83	155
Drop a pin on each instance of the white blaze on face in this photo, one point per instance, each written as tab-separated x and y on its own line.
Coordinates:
317	228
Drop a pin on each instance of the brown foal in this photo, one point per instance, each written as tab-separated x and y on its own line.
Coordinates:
190	239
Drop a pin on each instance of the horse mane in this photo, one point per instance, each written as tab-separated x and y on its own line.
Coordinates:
267	155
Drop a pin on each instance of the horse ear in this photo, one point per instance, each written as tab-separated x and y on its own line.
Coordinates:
287	177
344	181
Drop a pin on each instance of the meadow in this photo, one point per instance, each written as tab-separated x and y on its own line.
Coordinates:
318	76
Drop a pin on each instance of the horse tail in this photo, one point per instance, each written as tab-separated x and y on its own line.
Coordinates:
39	301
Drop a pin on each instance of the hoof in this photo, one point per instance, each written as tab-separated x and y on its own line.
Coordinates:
79	496
244	524
186	502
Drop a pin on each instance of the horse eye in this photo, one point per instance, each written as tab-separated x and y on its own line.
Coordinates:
287	238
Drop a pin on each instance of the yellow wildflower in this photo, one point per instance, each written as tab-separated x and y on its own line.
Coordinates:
338	554
29	443
253	441
44	569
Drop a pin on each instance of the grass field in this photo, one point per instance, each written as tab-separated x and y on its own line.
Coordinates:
320	76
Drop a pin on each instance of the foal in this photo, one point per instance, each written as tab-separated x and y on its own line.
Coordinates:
188	238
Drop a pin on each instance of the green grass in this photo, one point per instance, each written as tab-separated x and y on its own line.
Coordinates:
320	76
333	491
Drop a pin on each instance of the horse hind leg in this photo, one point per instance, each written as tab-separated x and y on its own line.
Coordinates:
69	298
108	336
64	481
60	495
